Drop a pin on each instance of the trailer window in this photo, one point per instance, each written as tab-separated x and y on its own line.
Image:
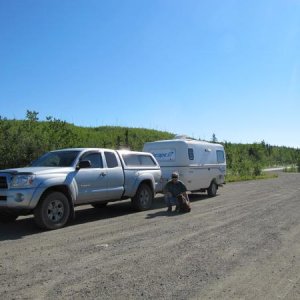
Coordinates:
191	153
220	156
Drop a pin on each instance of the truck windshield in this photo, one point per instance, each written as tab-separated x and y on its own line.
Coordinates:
56	159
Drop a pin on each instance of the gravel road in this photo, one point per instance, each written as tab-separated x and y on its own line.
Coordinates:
242	244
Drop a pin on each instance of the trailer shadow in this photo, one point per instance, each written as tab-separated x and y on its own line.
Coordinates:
25	226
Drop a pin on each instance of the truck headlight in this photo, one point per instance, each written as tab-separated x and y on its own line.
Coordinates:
22	181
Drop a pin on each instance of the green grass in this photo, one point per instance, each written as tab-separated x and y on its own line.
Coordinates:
291	169
236	178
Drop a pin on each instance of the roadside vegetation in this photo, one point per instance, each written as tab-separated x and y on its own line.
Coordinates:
22	141
247	161
293	168
230	177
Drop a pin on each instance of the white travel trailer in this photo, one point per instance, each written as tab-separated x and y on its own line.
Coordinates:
201	165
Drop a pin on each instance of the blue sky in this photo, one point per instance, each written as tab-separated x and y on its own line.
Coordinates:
188	67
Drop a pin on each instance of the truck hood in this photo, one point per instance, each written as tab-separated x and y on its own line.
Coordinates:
38	170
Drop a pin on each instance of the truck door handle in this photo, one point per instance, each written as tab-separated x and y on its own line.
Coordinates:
103	174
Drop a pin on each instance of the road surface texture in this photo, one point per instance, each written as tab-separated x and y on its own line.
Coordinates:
242	244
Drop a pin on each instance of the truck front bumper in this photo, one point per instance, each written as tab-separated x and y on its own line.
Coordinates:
20	198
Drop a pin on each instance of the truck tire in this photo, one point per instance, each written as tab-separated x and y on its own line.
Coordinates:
53	211
212	190
7	216
143	198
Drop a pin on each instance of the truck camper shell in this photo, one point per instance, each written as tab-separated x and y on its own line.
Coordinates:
201	165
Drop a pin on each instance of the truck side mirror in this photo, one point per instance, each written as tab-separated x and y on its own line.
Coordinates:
83	164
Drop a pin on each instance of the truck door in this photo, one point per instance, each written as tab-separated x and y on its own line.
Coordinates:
92	182
115	176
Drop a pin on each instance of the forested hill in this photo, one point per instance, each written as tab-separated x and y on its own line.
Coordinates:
22	141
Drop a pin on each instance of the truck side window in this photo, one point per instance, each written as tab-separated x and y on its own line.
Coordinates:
147	160
111	159
131	160
95	159
191	153
220	156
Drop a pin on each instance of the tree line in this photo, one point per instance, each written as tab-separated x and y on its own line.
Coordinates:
22	141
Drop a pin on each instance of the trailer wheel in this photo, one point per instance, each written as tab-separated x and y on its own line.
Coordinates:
7	216
53	211
212	190
143	198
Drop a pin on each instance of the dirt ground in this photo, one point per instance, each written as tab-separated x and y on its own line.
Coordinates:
242	244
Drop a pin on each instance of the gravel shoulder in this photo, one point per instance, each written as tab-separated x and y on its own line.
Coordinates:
242	244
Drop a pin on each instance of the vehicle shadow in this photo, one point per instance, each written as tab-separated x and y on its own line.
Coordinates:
83	214
18	229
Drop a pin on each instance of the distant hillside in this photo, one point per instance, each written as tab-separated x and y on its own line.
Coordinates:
22	141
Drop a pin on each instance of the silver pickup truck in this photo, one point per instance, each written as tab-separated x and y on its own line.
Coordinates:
58	181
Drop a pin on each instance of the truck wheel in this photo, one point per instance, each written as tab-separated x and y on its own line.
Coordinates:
99	205
212	190
7	216
143	198
53	211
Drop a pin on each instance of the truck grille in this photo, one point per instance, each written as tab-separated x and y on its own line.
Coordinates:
3	182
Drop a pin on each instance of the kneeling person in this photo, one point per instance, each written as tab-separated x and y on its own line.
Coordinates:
175	194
